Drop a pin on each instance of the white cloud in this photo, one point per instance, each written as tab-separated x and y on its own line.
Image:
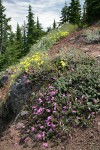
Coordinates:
46	10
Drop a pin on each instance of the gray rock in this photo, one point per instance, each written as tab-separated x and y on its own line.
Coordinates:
19	94
98	56
72	39
3	80
98	47
19	125
85	49
99	126
24	113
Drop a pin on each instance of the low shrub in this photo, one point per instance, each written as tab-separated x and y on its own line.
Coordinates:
92	36
72	100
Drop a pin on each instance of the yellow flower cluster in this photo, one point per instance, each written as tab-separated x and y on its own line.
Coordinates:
37	59
62	63
63	34
59	35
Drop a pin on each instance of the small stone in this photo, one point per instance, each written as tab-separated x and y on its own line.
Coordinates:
3	80
20	125
33	94
85	49
98	47
98	56
72	38
62	147
81	140
91	135
23	113
99	126
98	123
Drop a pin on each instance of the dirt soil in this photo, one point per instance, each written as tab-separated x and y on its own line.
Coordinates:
76	41
80	139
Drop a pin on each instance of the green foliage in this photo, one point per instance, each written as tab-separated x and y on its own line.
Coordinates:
18	44
46	42
71	13
54	24
92	10
39	30
41	47
49	29
92	36
71	100
64	14
75	12
18	41
4	28
31	28
24	39
18	34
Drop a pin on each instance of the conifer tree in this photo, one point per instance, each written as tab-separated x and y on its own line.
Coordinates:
38	25
54	24
92	10
39	30
64	14
49	29
24	38
19	41
75	12
4	28
18	34
31	28
11	37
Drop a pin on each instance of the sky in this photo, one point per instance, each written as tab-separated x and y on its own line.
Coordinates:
46	10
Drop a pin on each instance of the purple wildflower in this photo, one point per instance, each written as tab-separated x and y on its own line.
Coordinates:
40	100
64	107
45	145
32	128
41	127
40	110
52	93
95	101
34	107
48	110
50	86
39	136
52	98
73	111
49	118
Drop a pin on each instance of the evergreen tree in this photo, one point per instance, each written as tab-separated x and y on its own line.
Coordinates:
4	28
54	24
31	28
92	10
38	25
64	14
49	29
75	12
39	29
24	38
18	34
84	15
11	54
19	48
11	37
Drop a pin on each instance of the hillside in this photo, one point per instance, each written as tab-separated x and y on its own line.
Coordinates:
51	99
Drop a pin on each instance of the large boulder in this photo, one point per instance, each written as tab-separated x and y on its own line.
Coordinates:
3	80
19	94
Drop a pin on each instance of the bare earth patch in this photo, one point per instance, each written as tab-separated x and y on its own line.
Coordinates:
75	41
80	139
